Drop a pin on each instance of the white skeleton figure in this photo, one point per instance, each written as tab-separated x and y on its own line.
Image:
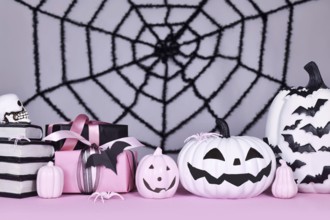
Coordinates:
105	195
12	110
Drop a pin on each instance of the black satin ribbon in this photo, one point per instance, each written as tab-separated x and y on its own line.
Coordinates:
18	178
18	195
25	159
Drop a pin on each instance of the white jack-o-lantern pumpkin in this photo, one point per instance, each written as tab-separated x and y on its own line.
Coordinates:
223	166
157	176
298	128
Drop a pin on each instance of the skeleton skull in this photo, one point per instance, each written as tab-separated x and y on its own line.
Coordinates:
12	110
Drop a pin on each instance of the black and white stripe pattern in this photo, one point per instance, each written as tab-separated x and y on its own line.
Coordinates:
19	163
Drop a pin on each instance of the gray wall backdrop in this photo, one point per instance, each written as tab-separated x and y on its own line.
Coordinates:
310	41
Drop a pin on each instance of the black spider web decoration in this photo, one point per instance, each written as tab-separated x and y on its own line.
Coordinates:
166	51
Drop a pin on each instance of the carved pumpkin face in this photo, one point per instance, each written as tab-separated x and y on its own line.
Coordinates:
157	176
298	127
226	167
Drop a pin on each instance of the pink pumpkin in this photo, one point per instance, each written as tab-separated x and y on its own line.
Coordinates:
50	181
157	176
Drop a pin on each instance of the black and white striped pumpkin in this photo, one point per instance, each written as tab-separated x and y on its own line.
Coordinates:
298	128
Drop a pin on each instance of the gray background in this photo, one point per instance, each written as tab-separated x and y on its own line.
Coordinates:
310	41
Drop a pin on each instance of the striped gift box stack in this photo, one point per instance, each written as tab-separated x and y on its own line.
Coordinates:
20	161
22	152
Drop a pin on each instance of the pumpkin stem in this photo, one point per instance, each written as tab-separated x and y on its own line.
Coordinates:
283	163
50	163
315	79
158	151
222	127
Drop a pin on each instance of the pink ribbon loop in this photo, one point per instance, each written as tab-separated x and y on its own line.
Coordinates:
77	127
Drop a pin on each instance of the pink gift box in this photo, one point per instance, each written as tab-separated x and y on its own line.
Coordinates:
123	181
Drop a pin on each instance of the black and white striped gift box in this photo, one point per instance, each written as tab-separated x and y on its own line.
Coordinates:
20	161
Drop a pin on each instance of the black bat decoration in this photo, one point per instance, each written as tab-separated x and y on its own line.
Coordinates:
108	157
319	178
275	149
324	149
300	91
296	147
296	164
319	131
310	111
292	127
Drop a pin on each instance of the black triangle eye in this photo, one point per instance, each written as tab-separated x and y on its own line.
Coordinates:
167	168
253	153
214	154
151	166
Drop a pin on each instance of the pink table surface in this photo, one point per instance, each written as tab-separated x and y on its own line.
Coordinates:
182	206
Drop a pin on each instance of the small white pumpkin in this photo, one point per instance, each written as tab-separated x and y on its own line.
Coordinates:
222	166
50	181
284	186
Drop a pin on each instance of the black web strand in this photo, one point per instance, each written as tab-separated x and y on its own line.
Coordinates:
206	101
36	53
241	35
139	14
260	69
113	44
248	18
264	19
88	37
164	107
270	78
211	19
223	84
55	108
116	100
81	80
139	90
64	61
190	19
167	16
287	43
62	39
80	24
124	18
166	5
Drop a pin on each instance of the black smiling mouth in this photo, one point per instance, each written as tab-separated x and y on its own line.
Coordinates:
157	190
235	179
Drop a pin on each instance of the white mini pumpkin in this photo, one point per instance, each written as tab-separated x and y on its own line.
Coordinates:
298	128
284	186
50	181
216	166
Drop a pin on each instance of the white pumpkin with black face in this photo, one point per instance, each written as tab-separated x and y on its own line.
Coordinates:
12	110
298	127
226	166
